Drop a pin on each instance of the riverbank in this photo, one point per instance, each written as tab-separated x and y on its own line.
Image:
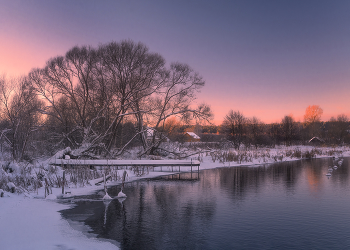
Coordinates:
32	224
28	221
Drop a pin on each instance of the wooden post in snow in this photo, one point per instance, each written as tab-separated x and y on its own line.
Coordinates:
123	180
46	187
104	180
63	181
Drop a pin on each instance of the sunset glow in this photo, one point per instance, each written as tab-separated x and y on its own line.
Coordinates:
266	59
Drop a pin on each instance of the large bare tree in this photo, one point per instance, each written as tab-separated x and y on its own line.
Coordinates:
134	74
175	98
91	94
69	82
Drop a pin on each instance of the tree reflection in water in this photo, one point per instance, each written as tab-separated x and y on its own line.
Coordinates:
211	211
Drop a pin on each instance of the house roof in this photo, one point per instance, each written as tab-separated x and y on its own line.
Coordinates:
316	139
193	135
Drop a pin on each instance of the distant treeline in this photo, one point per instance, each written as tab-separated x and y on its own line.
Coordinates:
333	132
251	131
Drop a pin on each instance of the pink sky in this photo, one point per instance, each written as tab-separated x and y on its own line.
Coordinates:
266	59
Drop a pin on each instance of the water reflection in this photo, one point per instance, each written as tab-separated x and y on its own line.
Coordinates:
226	208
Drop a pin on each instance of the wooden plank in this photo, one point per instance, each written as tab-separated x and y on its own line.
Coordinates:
125	162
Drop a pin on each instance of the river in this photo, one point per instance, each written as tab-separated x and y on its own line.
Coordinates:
290	205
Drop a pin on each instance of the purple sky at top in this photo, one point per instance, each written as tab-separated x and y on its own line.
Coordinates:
264	58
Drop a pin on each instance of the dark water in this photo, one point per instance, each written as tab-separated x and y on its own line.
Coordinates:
281	206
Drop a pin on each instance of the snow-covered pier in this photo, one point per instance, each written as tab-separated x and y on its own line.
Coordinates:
127	163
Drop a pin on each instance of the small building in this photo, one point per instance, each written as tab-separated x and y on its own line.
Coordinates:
149	134
191	137
151	131
316	141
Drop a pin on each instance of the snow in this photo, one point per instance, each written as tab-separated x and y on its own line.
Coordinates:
193	135
150	132
13	166
51	197
121	195
10	185
61	153
107	197
35	223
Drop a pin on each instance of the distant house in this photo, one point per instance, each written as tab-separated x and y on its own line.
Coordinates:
150	132
316	140
191	137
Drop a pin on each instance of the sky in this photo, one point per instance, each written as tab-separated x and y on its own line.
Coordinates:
265	59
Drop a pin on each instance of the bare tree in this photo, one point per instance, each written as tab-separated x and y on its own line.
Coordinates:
313	114
337	128
20	107
91	94
174	98
70	80
134	74
312	119
288	129
234	127
255	130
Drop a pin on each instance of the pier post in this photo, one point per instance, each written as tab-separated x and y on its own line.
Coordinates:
104	180
63	181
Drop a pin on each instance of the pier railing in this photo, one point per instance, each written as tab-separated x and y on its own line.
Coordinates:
125	163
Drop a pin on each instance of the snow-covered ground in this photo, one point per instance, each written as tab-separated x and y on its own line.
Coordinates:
29	221
32	224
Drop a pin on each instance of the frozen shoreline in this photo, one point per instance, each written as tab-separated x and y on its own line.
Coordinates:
35	223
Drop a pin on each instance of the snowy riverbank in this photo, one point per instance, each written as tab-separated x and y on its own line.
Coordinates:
28	221
32	224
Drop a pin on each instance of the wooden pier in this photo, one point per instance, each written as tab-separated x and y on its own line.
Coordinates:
177	164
